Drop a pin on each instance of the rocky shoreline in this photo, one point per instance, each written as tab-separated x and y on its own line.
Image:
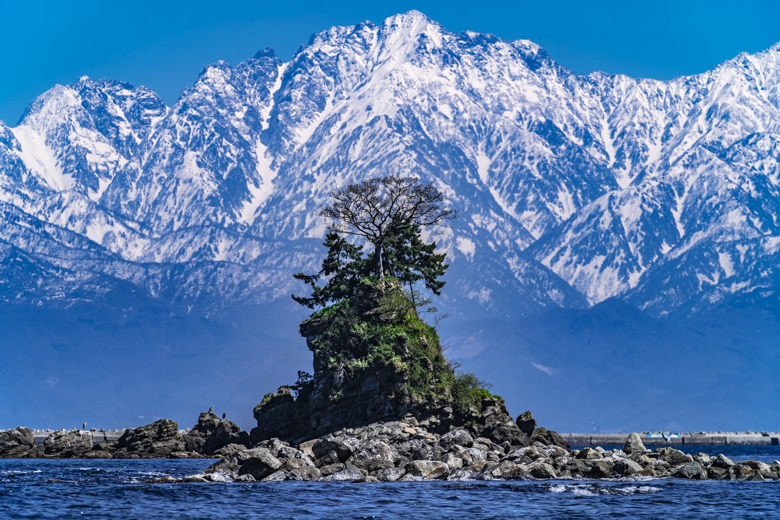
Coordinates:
406	451
159	440
393	451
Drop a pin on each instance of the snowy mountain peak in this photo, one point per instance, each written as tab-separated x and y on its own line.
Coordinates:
572	189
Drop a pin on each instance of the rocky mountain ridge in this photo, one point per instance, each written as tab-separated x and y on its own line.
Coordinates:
572	189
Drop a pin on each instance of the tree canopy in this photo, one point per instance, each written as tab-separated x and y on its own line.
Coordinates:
385	208
389	213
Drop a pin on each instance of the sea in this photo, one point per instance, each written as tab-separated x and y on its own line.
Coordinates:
115	489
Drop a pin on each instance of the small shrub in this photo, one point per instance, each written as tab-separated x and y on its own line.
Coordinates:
467	391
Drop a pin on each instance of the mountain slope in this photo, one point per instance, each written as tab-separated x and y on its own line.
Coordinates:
571	189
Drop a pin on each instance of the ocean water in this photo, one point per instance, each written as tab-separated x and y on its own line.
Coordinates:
66	489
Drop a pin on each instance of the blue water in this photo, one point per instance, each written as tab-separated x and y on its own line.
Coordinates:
66	489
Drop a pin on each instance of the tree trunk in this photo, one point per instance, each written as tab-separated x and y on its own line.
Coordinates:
380	266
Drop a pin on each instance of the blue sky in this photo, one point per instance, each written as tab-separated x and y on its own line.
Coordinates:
164	45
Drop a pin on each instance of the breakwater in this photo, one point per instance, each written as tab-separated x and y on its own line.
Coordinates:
677	439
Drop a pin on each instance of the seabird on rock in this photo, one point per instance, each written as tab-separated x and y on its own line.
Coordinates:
211	409
224	415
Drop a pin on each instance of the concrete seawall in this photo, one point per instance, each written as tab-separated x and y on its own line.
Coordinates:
676	439
97	435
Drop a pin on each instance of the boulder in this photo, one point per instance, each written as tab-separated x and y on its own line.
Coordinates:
428	469
350	472
391	474
257	462
544	471
212	433
600	469
673	457
457	437
691	471
230	450
721	461
589	454
627	467
716	473
549	438
67	444
157	440
526	423
16	443
331	468
343	449
272	445
498	426
298	469
742	472
634	445
374	456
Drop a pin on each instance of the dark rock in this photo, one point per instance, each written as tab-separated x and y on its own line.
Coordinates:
157	440
600	469
526	423
742	472
16	443
212	433
673	457
67	444
257	462
691	471
634	445
230	450
716	473
343	449
229	466
497	425
544	471
549	438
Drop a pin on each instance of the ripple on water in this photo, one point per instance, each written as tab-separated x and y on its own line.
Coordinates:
50	489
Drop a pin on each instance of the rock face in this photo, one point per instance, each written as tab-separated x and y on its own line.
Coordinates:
157	440
67	444
392	370
212	434
16	443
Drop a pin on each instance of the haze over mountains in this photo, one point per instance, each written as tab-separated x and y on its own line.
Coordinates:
572	190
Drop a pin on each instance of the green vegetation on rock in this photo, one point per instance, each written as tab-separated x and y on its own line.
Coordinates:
374	354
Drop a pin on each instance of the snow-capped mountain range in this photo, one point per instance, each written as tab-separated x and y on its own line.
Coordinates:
571	189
